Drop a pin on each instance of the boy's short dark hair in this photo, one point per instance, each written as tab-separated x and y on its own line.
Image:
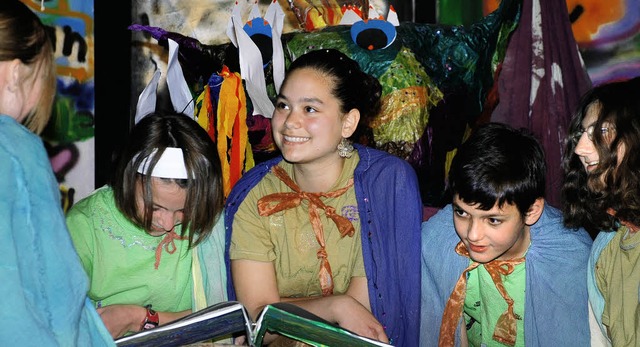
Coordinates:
498	163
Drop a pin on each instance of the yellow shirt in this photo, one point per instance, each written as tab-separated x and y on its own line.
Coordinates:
287	239
618	278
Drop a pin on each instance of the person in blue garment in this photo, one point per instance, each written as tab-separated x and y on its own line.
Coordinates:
601	192
499	268
330	226
44	288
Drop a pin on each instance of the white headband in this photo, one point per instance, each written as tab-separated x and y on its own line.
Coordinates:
170	164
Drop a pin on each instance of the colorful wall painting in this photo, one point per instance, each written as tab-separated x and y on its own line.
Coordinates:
607	34
69	137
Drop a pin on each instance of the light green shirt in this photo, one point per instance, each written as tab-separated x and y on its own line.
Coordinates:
483	305
119	258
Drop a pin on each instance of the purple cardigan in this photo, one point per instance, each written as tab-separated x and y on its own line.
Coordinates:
390	210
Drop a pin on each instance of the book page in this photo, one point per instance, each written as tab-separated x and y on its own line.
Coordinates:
214	322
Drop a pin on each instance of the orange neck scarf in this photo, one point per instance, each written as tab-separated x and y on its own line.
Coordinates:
634	228
169	245
277	202
505	330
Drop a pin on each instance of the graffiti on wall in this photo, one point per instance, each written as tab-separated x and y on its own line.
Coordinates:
69	136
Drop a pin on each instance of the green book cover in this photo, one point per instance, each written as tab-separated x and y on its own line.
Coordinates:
296	323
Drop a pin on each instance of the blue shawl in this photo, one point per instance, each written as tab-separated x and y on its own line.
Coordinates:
390	209
44	287
556	311
596	300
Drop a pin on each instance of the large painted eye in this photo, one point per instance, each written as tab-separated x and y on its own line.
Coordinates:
373	34
259	30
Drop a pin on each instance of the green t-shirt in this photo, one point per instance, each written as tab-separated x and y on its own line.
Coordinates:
119	258
287	239
483	305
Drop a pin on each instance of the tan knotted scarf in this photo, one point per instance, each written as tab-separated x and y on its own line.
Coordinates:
277	202
505	330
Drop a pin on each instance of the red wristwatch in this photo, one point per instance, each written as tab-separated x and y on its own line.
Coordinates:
152	319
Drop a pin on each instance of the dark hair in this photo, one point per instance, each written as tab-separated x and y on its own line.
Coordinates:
586	197
499	164
24	37
204	199
352	87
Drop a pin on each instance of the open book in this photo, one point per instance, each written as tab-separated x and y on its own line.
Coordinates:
230	318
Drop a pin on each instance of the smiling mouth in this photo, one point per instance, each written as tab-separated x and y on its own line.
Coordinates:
591	165
295	139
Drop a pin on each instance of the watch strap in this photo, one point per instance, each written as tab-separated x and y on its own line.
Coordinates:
151	320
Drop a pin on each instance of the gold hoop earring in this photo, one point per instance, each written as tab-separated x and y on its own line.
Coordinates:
345	148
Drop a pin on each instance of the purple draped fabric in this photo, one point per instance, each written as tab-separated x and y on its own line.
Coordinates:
541	82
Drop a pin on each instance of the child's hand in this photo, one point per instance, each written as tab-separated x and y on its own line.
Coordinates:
240	341
120	319
351	315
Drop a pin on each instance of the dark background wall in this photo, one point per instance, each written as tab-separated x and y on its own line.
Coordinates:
113	83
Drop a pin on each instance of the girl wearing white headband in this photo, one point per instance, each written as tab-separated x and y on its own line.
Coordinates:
150	236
